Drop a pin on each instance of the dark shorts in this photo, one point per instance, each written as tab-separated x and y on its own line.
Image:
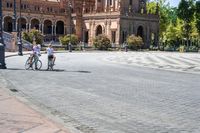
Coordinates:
50	57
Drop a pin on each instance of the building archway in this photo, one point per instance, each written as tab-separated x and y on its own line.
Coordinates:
35	24
60	27
8	27
99	30
23	23
47	27
140	32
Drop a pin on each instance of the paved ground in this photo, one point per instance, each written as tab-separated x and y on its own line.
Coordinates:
16	117
183	62
94	95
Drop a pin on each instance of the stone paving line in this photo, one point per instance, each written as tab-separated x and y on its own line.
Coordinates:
16	117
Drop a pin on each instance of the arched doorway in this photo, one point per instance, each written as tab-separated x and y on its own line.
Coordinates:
60	27
8	24
99	30
140	32
86	36
35	24
23	23
47	27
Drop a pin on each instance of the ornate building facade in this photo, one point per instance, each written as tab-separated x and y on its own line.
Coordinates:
86	18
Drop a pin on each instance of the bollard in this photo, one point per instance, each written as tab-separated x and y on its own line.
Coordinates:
2	56
70	47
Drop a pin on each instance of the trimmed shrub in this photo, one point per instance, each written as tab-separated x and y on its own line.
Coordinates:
64	40
134	42
102	42
182	48
168	48
193	49
28	36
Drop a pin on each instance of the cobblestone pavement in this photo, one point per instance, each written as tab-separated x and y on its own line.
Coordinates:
17	117
94	95
185	62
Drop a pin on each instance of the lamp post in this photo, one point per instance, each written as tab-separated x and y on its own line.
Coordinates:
19	32
2	46
70	11
14	17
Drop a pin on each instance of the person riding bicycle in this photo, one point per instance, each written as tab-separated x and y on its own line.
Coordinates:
50	54
35	54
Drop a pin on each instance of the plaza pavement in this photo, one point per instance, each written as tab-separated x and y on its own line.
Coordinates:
172	61
168	111
17	117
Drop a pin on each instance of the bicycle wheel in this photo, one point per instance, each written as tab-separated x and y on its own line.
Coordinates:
38	67
27	64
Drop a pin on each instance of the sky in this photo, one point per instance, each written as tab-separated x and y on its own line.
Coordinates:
174	2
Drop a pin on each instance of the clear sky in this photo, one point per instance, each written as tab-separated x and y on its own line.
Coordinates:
174	2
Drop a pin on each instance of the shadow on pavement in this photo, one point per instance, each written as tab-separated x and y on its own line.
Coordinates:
45	70
14	69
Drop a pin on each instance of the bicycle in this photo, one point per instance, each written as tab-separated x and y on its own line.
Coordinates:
36	64
50	64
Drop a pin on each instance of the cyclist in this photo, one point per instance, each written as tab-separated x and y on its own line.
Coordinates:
50	54
35	54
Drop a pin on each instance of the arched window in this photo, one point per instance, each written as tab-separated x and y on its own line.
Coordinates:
140	31
130	2
99	30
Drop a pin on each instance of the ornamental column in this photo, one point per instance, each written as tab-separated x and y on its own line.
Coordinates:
106	5
26	27
55	30
29	26
42	28
52	30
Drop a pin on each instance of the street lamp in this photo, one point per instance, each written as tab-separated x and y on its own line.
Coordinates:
14	17
19	32
70	11
2	46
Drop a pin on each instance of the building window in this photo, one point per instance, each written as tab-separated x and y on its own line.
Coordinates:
111	2
130	2
124	36
113	36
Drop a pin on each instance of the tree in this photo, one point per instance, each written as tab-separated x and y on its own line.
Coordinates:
186	13
163	11
134	42
69	38
102	42
29	36
172	15
198	16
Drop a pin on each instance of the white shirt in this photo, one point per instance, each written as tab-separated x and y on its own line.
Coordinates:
50	51
36	50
